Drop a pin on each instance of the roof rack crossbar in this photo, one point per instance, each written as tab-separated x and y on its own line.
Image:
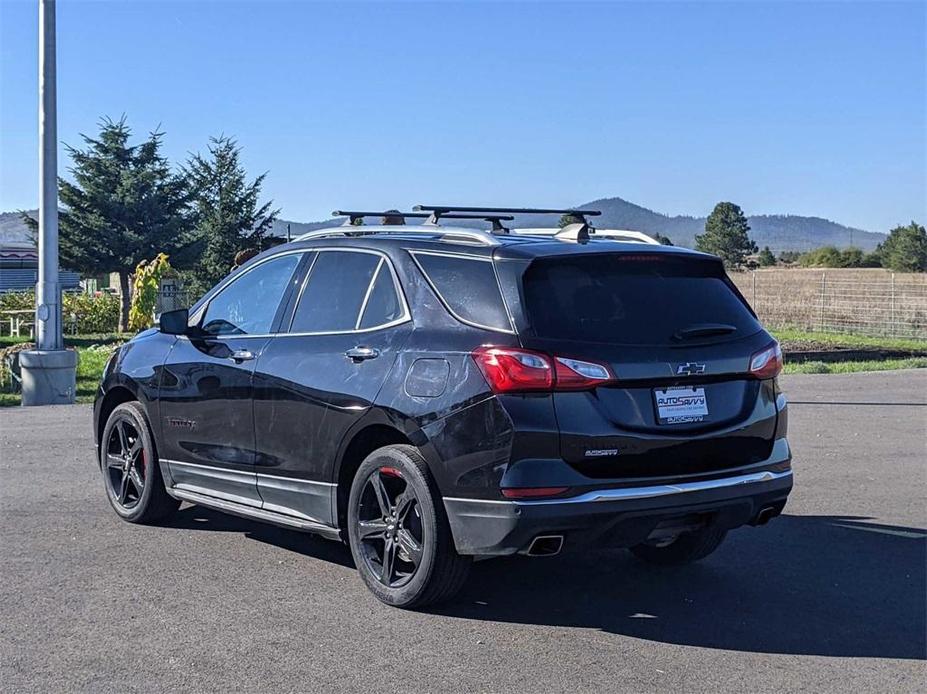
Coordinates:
476	236
444	209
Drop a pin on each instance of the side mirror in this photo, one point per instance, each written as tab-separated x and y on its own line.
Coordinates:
175	322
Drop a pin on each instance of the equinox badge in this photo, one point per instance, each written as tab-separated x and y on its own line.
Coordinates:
690	369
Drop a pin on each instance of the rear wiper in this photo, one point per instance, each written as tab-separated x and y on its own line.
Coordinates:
704	329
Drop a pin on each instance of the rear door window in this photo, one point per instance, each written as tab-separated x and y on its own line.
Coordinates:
632	299
467	287
347	291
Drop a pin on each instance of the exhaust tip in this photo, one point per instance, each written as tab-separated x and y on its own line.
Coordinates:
545	546
765	515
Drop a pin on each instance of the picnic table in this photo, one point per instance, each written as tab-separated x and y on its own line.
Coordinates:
20	318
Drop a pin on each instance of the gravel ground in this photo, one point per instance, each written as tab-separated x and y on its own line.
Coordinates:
829	597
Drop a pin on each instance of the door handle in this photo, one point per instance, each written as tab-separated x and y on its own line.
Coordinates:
240	355
359	354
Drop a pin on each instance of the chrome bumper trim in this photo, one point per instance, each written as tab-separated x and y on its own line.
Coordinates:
662	489
627	493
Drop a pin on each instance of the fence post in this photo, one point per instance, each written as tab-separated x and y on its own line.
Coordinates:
823	292
893	305
754	291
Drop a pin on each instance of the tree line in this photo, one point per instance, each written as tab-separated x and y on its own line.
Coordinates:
126	204
727	234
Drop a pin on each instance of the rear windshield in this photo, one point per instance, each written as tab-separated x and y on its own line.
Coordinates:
633	300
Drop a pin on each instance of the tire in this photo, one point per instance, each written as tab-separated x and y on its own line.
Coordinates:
425	567
685	549
129	460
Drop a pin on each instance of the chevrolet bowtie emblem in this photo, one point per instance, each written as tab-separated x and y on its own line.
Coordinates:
690	369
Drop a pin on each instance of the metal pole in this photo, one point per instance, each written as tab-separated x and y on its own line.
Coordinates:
48	372
823	290
48	290
893	305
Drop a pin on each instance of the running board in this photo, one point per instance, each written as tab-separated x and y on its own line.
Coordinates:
256	513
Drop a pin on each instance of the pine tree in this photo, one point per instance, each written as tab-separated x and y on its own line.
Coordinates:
227	215
124	206
727	235
766	257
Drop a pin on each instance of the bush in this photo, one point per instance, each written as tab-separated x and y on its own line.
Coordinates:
92	313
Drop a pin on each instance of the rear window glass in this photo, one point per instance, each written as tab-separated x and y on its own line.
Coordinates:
468	287
632	300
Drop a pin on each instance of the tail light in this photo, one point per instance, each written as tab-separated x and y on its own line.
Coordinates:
510	370
767	363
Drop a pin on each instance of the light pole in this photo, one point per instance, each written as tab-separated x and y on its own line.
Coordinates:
48	371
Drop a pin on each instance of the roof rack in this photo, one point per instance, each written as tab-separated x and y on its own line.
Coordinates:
397	218
472	236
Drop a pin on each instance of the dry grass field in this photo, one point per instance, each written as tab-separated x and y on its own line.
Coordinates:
854	300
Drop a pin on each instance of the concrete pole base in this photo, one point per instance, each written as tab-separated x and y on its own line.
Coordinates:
49	378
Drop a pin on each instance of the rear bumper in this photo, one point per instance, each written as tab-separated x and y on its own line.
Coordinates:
620	517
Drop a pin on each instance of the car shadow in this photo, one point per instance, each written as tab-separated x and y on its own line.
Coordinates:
808	585
312	546
803	585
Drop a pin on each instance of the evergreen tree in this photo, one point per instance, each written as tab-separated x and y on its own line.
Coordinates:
727	235
227	215
766	257
124	206
905	249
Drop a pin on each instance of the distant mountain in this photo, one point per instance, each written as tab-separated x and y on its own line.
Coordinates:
779	232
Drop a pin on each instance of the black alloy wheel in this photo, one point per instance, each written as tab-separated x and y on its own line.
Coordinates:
130	467
125	464
399	533
389	526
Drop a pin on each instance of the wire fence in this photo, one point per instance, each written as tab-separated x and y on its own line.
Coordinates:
862	301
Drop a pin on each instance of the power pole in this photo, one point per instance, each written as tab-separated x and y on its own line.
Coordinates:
48	371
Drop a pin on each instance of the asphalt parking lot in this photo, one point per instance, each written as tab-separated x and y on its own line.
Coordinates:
830	597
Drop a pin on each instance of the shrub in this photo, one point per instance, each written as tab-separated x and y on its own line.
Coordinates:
92	313
145	292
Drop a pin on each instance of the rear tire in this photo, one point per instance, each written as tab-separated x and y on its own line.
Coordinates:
685	549
131	468
398	530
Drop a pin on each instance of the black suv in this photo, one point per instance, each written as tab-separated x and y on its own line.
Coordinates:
433	394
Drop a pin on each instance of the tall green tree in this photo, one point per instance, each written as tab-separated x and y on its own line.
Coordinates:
227	215
766	257
905	249
727	235
124	205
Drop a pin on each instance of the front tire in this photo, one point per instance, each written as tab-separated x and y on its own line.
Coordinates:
398	530
685	549
130	467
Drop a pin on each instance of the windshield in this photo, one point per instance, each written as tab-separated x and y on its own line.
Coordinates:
639	299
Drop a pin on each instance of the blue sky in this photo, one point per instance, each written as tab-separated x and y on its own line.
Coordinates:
781	107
